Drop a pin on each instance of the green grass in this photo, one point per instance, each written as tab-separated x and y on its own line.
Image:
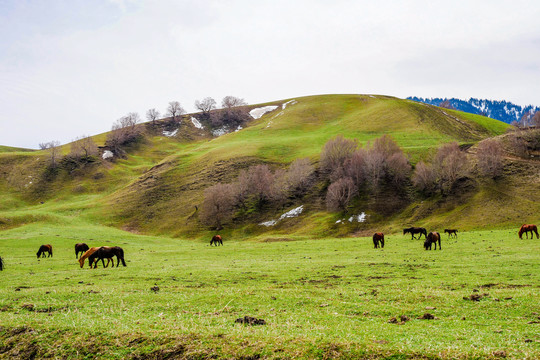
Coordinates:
326	298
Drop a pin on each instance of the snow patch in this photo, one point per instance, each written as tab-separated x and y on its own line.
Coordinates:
238	128
170	133
107	154
196	123
290	102
289	214
355	218
258	112
221	131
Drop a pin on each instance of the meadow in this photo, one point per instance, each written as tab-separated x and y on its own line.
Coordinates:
320	298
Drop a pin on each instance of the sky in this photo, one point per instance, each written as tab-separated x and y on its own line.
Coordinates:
70	68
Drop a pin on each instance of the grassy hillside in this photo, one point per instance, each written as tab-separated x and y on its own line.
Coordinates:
157	187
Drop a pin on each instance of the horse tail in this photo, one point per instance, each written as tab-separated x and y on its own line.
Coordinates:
76	252
121	253
1	264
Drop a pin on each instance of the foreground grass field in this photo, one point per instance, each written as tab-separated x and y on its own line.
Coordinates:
325	298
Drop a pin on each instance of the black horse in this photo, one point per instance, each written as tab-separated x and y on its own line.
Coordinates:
80	248
1	264
432	238
106	252
44	249
451	232
415	230
378	238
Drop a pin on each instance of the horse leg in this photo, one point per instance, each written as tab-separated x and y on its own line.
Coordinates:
382	243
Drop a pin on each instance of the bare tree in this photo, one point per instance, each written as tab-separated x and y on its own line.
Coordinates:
218	205
386	146
175	109
53	148
374	168
424	178
490	158
335	152
355	167
232	101
298	176
398	168
205	105
152	115
536	119
124	131
450	164
84	147
340	194
447	105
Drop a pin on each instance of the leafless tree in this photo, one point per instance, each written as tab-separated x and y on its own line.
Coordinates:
536	119
398	168
450	164
490	158
447	105
205	105
298	176
124	131
232	101
386	146
340	194
355	167
374	168
424	178
175	109
84	147
152	115
335	152
53	148
218	205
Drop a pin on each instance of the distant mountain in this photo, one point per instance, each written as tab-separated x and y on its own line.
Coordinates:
500	110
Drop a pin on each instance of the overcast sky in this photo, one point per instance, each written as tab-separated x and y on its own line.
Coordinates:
73	67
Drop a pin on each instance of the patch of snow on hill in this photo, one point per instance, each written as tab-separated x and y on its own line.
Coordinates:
289	214
221	131
290	102
196	123
358	218
170	133
238	128
107	154
258	112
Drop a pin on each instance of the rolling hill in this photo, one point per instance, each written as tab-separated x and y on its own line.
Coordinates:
158	187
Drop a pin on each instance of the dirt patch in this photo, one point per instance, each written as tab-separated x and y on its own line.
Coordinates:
249	320
428	316
475	297
270	240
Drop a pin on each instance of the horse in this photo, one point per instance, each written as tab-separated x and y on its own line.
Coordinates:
44	249
450	232
217	240
80	248
432	238
86	255
378	238
530	228
1	264
106	252
415	230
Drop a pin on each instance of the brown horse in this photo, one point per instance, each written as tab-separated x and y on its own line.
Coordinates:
432	238
44	249
378	238
530	228
80	248
450	232
415	230
1	264
86	255
217	240
106	252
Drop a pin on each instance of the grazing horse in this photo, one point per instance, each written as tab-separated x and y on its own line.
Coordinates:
106	252
450	232
432	238
415	230
216	239
44	249
530	228
86	255
1	264
80	248
378	238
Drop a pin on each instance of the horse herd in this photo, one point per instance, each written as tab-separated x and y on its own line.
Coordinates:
434	237
93	254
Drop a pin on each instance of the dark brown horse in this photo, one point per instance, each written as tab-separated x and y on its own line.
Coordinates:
432	238
530	228
217	240
44	249
1	264
415	230
378	238
80	248
450	232
106	252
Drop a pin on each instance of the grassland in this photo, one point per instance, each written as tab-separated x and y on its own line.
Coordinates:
321	298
